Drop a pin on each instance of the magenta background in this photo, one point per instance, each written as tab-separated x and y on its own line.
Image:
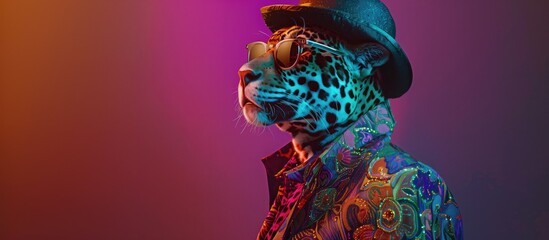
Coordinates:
117	117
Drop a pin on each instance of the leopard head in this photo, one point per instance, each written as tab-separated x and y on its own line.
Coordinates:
322	94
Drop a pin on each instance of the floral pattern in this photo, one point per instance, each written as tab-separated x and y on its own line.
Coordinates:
426	186
397	162
344	156
362	187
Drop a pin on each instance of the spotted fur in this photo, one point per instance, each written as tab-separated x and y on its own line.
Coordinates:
320	97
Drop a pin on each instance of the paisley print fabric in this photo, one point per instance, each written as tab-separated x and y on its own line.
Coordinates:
361	187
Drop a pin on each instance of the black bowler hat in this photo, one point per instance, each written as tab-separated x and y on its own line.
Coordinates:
356	21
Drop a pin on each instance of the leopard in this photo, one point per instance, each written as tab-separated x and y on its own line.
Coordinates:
320	97
320	186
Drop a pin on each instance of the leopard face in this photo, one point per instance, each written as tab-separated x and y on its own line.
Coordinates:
323	93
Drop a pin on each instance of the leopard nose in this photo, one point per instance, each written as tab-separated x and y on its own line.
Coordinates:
248	75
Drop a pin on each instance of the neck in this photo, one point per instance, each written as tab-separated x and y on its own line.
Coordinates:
307	143
309	138
376	121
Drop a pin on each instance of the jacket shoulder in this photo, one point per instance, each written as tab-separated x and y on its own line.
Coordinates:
408	198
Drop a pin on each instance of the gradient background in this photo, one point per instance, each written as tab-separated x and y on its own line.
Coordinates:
117	117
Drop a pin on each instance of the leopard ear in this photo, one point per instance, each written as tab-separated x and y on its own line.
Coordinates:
369	56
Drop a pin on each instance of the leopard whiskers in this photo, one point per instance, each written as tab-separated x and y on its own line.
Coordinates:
243	128
264	33
294	107
282	111
238	111
271	111
303	28
239	115
244	125
315	113
295	22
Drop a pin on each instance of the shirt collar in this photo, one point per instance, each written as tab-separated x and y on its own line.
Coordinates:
369	133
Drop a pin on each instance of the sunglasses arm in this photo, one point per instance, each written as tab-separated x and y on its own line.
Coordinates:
322	46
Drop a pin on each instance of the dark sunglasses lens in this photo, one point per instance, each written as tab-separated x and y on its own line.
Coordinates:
287	53
255	50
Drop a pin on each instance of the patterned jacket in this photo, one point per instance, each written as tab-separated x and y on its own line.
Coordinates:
361	187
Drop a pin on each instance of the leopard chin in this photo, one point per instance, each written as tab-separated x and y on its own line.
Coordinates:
255	115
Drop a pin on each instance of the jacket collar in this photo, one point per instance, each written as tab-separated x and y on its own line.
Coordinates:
368	134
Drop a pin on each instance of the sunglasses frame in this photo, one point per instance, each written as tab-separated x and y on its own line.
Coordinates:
301	42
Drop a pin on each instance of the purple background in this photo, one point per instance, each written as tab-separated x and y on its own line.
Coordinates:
117	117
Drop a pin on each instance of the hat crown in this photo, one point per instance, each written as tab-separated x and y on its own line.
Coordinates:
356	21
362	11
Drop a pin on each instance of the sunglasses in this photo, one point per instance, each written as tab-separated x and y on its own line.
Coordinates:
287	51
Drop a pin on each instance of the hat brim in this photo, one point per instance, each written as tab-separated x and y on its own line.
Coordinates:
397	72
